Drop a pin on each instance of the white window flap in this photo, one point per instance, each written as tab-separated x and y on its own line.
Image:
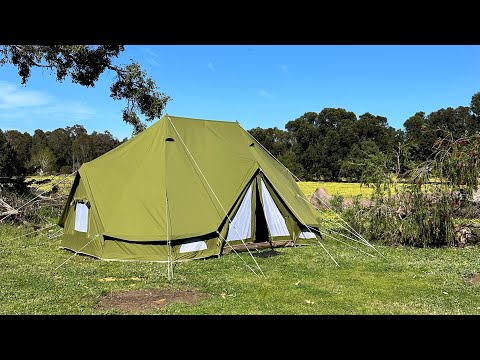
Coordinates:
81	217
305	234
193	246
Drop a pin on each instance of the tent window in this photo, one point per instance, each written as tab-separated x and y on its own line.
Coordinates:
241	226
193	246
81	217
275	221
306	234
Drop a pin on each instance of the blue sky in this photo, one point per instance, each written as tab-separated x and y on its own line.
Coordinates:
257	85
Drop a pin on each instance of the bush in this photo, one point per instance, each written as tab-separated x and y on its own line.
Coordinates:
420	211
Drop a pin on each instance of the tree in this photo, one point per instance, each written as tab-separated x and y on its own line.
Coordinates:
454	120
376	128
320	141
102	142
419	136
11	179
4	150
475	106
82	150
20	144
44	161
61	144
303	131
339	134
361	159
273	139
84	64
39	142
289	160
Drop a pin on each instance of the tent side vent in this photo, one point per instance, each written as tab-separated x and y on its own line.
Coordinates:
81	217
306	234
169	139
193	246
252	144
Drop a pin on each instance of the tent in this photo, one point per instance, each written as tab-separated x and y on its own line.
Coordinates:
185	189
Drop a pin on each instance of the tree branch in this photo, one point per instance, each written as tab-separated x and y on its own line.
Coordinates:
32	62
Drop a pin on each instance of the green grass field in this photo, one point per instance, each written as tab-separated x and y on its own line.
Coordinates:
36	277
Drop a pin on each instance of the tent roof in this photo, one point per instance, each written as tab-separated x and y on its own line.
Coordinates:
189	171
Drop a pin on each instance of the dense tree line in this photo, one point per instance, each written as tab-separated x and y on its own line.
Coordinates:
331	145
60	151
335	145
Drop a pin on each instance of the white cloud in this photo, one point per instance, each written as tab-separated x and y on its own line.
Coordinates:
152	57
21	105
63	110
266	94
284	68
151	52
12	97
211	66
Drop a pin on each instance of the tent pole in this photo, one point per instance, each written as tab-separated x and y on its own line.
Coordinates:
169	245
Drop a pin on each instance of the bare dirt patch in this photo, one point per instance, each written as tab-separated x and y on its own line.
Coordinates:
141	300
475	279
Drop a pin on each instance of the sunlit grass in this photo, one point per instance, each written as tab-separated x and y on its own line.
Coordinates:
347	190
63	182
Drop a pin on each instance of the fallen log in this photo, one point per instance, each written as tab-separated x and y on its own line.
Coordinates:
10	210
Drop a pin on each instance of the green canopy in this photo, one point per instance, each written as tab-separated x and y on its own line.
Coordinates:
184	189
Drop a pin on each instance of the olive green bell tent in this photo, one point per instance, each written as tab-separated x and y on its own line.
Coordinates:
185	189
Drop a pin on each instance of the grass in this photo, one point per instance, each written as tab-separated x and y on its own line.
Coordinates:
36	277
